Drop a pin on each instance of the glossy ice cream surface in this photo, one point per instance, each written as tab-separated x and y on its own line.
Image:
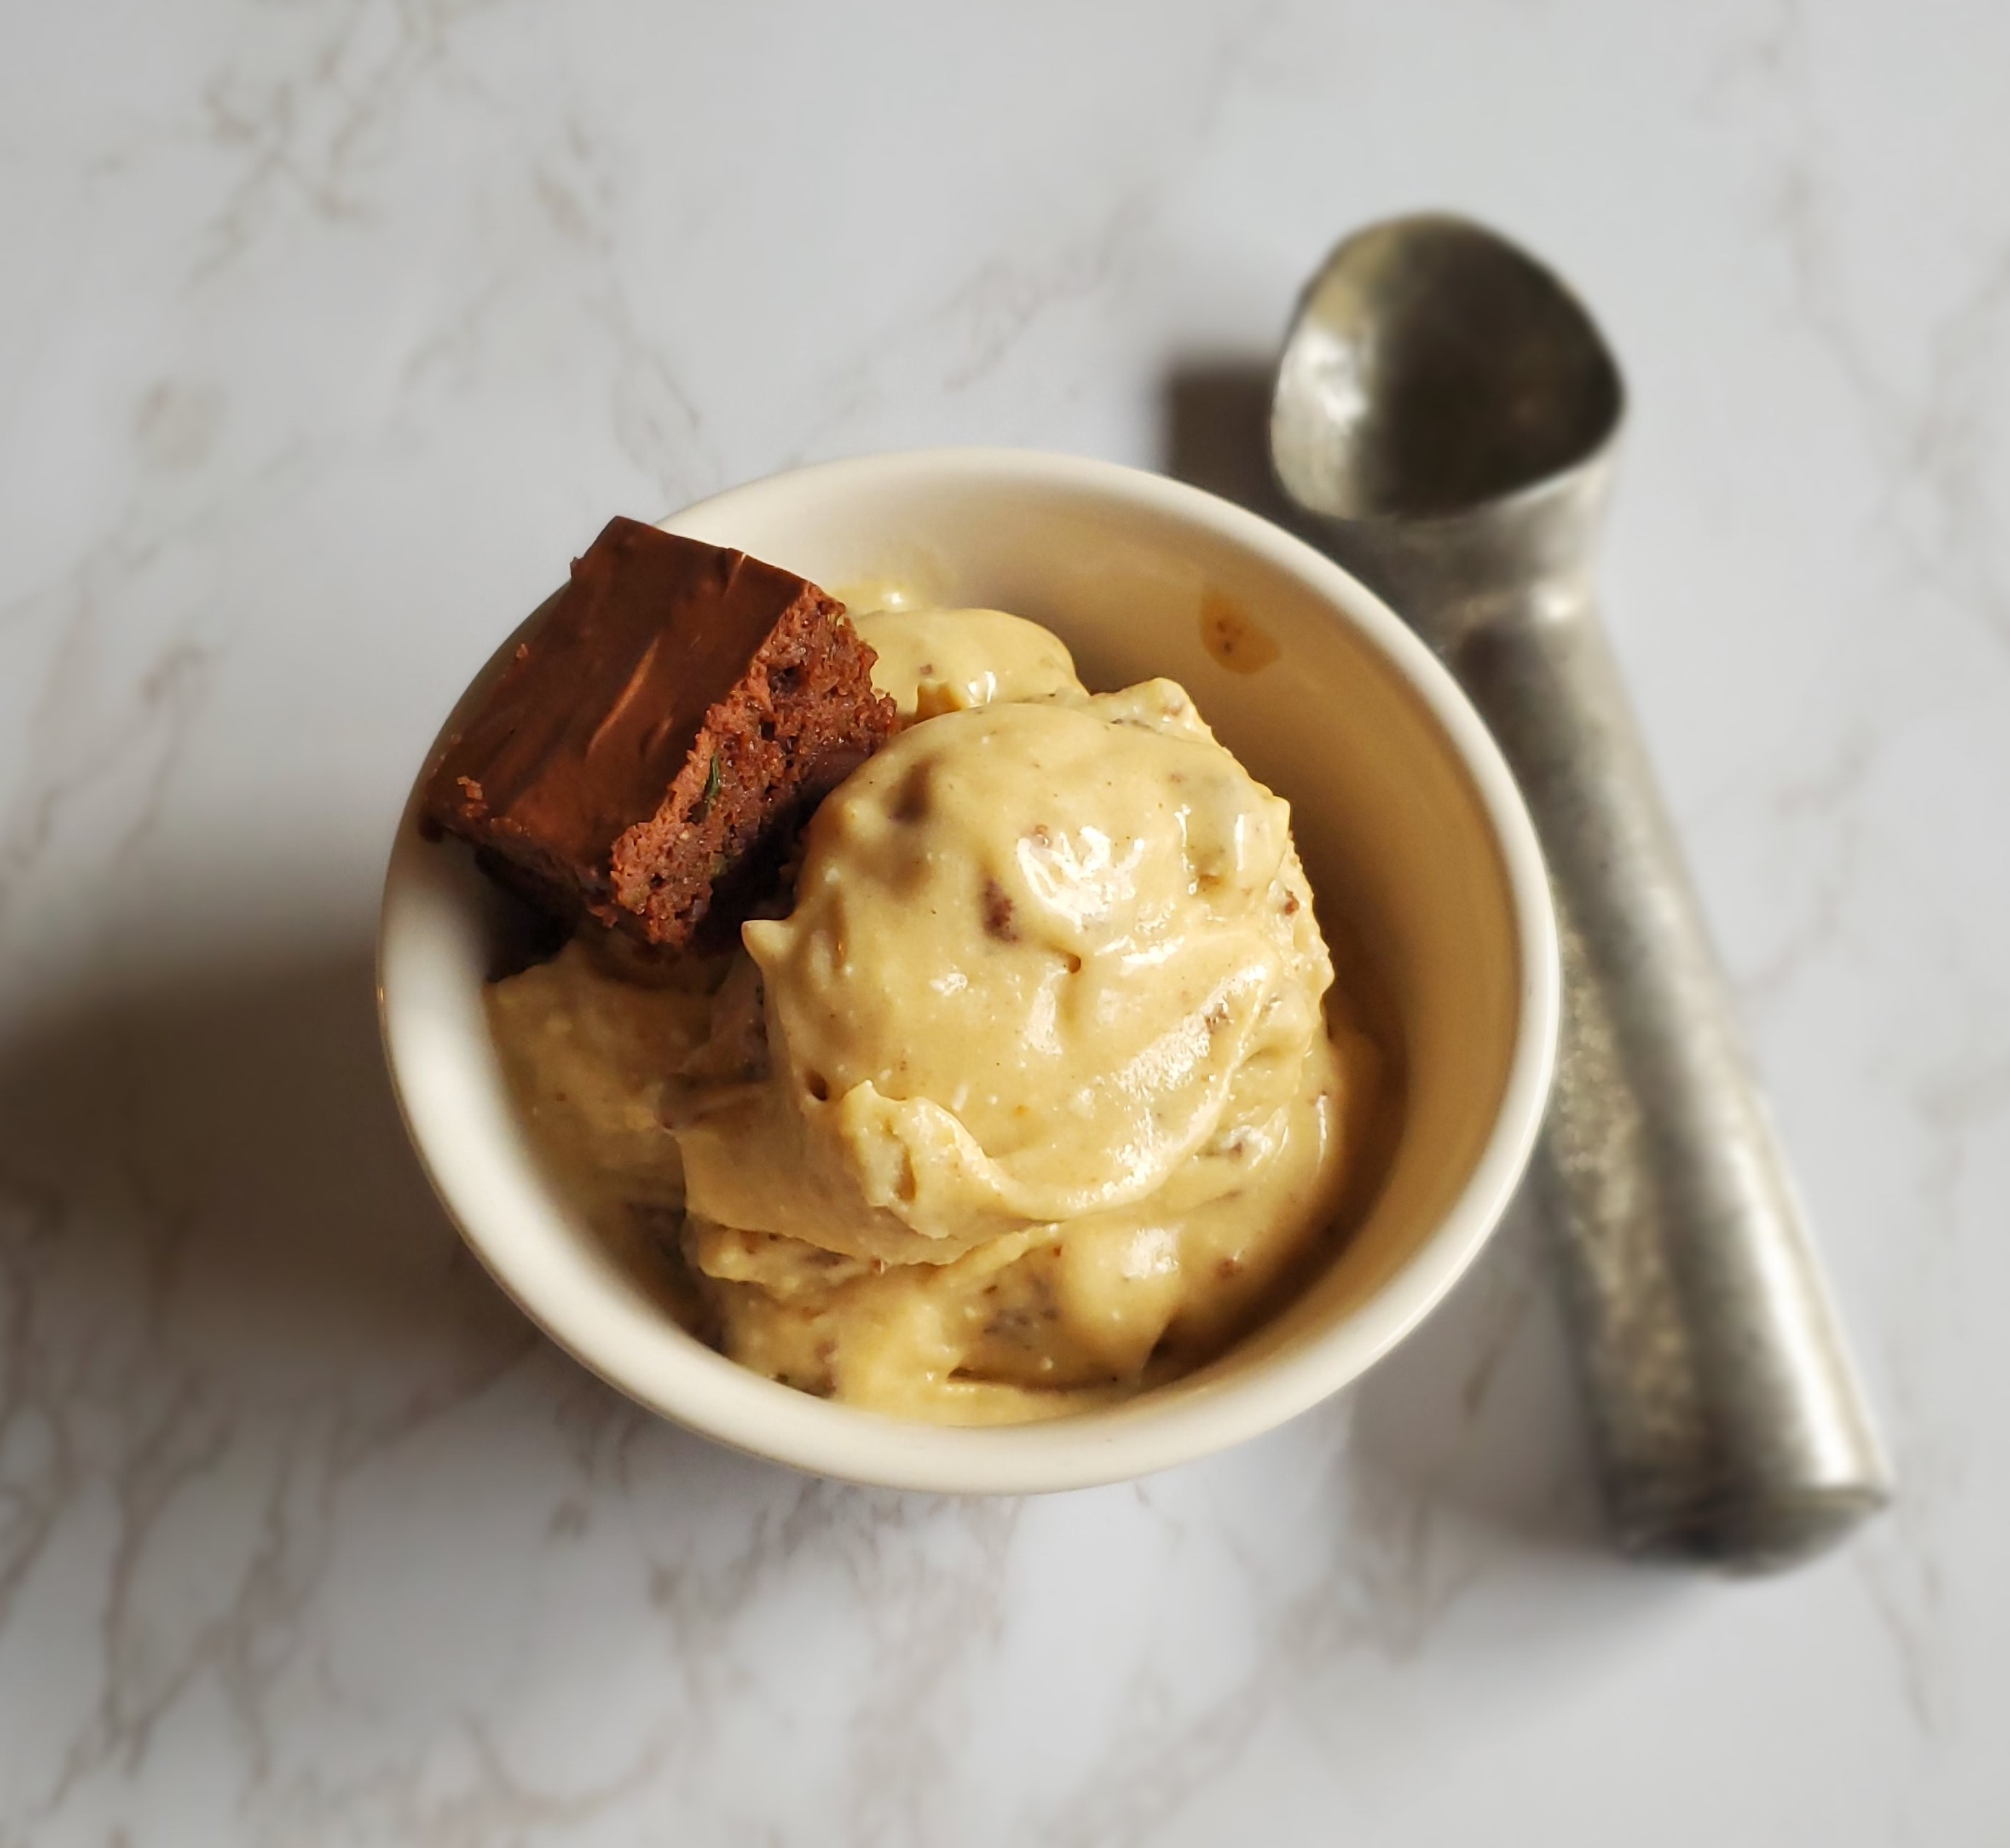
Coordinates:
1040	1093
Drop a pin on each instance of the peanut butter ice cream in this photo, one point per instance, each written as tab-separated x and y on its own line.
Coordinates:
1039	1094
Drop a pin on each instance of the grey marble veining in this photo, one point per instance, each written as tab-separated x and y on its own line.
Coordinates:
330	329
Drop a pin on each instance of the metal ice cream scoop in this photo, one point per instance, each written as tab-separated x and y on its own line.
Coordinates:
1447	411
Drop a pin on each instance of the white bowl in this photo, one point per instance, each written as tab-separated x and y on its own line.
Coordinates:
1410	826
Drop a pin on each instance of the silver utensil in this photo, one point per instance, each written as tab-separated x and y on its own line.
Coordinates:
1447	411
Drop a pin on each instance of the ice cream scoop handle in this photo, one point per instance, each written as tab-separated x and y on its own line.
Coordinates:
1728	1421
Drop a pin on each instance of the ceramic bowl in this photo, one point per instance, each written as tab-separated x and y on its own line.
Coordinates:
1411	828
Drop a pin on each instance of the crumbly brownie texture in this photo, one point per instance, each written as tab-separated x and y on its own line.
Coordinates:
660	734
803	717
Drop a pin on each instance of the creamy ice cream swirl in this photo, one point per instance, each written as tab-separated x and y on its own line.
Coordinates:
1040	956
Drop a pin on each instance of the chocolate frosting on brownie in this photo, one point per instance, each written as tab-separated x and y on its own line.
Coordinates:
591	722
658	734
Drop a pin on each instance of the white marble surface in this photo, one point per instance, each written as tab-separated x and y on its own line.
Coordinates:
329	329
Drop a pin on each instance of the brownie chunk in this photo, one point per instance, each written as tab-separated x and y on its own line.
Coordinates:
646	756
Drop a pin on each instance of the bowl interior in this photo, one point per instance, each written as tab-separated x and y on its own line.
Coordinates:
1412	835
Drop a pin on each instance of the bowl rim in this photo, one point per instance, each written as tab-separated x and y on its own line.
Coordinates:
688	1383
